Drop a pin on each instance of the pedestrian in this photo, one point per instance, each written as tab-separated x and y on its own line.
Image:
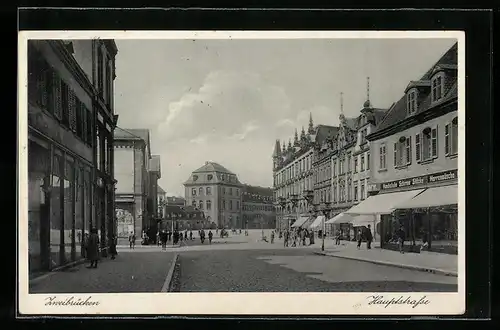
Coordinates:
202	236
369	238
131	240
163	239
311	237
425	241
337	237
191	235
158	238
272	237
93	248
401	239
112	247
210	235
359	238
186	234
285	238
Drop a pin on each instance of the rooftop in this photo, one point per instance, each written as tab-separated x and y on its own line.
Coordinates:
212	167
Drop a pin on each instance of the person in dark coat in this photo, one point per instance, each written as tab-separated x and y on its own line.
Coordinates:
210	235
369	237
93	248
401	235
359	238
112	247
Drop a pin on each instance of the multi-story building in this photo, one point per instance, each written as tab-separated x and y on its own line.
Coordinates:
293	173
216	191
70	141
350	162
161	200
414	162
258	207
184	218
132	160
154	176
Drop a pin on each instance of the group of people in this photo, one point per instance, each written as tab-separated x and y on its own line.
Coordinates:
365	234
296	237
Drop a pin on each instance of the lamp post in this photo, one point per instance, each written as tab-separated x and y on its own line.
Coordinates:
294	199
326	210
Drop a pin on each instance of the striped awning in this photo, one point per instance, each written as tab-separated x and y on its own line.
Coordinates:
300	222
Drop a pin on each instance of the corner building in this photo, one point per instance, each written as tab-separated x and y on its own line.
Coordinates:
414	163
70	148
216	191
258	211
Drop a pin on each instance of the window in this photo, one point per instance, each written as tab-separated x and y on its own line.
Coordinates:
349	163
100	71
334	168
451	137
408	150
200	191
223	190
356	164
362	190
355	191
411	100
210	177
334	192
362	162
230	204
418	147
193	191
367	161
223	204
429	143
208	191
194	203
349	188
382	161
200	205
65	103
237	205
437	88
209	205
237	192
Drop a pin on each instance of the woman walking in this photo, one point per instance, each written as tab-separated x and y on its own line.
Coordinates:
112	247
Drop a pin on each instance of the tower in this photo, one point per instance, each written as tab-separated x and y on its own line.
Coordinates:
311	124
296	139
367	103
277	155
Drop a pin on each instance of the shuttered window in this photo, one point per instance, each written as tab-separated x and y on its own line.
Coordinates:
65	103
72	110
57	96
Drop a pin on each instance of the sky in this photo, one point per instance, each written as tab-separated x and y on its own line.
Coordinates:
228	101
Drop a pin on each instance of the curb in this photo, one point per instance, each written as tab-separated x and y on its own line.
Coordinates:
168	281
386	263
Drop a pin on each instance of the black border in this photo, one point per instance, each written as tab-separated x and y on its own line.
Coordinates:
479	125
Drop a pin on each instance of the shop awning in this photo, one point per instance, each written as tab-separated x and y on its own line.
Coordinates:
437	196
317	222
340	218
382	203
364	220
300	222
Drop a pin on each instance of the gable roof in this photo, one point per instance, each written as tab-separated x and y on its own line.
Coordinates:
325	131
212	167
398	112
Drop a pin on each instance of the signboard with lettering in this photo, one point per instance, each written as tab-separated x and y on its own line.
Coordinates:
421	180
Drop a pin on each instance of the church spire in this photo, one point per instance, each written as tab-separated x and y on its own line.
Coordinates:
302	133
342	102
311	124
296	138
289	145
277	149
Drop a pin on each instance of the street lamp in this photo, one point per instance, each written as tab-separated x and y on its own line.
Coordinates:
294	199
325	208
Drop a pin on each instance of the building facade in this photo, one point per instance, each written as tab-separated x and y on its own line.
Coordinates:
183	218
154	176
258	211
70	141
161	201
415	151
216	191
293	175
175	200
132	161
351	163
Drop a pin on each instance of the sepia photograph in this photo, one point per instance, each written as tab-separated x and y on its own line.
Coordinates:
241	172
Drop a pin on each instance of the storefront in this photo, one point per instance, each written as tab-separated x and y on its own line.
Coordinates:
429	215
60	205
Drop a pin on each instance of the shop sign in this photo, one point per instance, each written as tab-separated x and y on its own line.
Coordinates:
421	180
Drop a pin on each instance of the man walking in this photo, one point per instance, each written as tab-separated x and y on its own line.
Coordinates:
369	238
131	240
401	239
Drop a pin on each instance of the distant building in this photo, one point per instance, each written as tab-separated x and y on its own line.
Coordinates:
184	218
258	210
175	200
216	191
154	176
132	161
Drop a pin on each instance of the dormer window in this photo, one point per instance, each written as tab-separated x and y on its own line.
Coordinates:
437	84
411	101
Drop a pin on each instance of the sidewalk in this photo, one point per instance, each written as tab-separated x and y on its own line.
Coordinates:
437	263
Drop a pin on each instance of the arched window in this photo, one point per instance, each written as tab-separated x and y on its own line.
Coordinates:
209	205
200	205
200	191
194	203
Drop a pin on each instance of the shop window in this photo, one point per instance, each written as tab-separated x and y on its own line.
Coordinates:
56	211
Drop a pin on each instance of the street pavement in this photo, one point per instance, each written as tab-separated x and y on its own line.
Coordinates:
240	263
297	270
129	272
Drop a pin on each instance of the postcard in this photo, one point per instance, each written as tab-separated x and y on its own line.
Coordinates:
241	173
